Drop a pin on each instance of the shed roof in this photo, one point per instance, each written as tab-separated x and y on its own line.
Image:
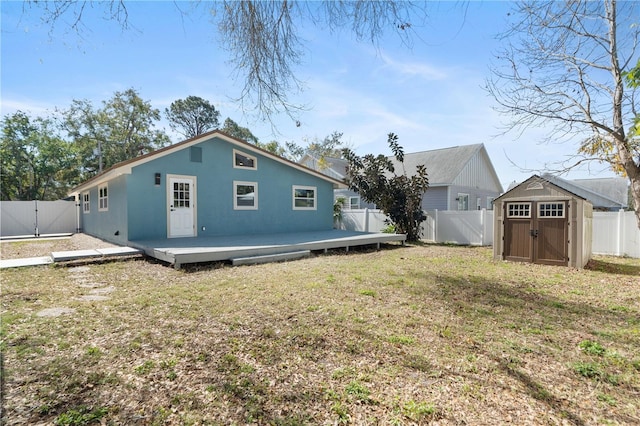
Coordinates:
125	167
535	179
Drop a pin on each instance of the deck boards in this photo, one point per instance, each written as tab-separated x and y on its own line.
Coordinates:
178	251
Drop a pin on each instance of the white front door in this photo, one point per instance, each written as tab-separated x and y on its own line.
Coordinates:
181	202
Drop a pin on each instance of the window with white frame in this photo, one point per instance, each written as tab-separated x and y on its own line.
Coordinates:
519	210
463	202
245	195
242	160
304	197
551	210
354	202
103	197
86	202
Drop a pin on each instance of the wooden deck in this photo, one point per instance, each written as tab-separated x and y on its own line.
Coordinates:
179	251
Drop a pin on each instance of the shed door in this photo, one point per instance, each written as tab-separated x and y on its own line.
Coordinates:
536	232
181	200
551	246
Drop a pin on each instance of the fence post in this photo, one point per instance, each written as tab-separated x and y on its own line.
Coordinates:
435	226
366	220
483	226
36	233
619	239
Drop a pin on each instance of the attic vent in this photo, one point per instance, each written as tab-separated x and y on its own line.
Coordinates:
196	154
534	185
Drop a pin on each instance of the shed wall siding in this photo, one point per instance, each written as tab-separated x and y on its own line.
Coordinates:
214	200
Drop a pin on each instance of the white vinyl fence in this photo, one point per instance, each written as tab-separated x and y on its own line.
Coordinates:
35	218
614	233
467	228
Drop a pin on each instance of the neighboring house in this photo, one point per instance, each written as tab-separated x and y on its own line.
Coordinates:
210	185
605	194
460	178
337	168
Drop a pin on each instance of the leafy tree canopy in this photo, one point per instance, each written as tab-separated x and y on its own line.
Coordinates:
36	163
399	196
232	128
192	116
122	129
330	147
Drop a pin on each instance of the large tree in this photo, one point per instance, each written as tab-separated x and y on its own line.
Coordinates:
123	128
330	147
232	128
263	37
36	163
563	68
192	116
398	195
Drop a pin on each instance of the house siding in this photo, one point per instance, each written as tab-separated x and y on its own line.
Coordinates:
477	174
214	200
106	224
435	198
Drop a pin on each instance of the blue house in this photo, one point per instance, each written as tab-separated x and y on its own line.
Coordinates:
208	186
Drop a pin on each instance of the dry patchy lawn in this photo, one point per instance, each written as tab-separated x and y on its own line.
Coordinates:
406	335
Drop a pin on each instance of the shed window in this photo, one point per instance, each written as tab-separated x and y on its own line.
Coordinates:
245	195
519	210
304	197
86	203
103	198
551	210
244	161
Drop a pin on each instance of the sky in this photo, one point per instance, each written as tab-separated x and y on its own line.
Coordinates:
430	93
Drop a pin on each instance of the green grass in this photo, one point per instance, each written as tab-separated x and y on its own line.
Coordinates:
407	335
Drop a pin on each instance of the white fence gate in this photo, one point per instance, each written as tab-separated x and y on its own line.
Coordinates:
35	218
614	233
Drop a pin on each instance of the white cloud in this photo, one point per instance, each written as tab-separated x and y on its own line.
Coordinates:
419	69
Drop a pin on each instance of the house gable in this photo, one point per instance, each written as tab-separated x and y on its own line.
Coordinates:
125	167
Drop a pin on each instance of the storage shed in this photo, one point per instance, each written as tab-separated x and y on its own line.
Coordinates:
540	222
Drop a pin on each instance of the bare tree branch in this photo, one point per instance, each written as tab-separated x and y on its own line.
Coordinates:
563	68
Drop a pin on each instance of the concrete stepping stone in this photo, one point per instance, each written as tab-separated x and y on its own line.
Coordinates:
55	312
